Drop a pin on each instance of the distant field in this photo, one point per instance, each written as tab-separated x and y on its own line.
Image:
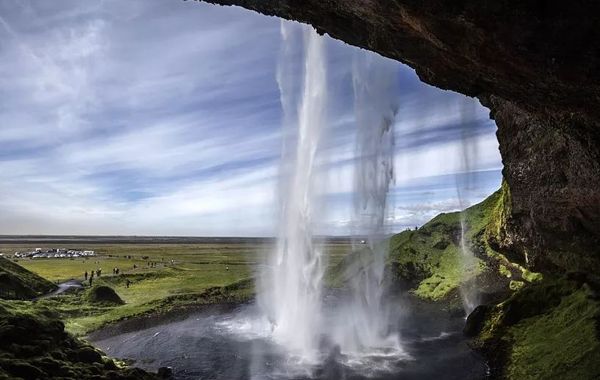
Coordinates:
181	270
242	259
186	258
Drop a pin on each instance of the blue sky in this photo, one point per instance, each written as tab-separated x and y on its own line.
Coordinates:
164	118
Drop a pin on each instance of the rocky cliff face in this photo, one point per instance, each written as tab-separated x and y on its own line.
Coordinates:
552	166
536	65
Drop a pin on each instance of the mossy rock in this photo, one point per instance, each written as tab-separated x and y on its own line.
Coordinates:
476	320
102	294
34	345
89	355
546	330
24	370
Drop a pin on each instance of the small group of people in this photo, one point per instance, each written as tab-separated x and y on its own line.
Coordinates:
90	278
98	272
151	264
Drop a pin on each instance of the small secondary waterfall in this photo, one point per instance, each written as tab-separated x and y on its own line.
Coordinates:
365	326
464	183
293	285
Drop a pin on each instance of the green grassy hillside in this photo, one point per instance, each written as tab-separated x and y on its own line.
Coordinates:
430	259
17	282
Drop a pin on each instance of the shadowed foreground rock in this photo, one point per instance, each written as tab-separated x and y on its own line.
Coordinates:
34	345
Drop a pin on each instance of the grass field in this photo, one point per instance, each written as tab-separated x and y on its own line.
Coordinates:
182	275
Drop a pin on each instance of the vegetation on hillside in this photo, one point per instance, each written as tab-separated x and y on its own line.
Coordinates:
34	345
429	260
17	282
546	330
182	276
531	326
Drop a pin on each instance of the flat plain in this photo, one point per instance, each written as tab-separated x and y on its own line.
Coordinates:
161	276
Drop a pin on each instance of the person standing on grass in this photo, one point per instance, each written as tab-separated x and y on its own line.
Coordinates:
91	280
85	275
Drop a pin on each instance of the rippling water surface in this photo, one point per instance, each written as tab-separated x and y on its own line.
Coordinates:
237	344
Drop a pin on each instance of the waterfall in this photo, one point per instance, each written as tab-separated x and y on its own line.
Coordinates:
366	326
464	183
292	289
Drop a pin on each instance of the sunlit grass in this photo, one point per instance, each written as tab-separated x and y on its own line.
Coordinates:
182	274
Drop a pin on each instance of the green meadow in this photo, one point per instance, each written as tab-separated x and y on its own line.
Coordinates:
161	277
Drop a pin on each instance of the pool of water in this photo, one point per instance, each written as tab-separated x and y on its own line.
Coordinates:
236	344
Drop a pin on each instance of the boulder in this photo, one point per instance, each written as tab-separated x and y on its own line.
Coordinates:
476	320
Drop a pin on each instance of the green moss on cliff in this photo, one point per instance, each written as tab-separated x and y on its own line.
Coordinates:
494	230
545	330
561	344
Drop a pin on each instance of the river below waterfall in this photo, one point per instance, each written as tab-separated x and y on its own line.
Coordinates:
227	343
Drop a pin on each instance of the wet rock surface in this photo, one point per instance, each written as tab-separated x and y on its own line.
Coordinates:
476	320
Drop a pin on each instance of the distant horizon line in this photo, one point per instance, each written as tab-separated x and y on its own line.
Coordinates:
93	239
155	236
2	236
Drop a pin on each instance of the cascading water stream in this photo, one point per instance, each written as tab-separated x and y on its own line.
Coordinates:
468	149
293	286
366	326
290	293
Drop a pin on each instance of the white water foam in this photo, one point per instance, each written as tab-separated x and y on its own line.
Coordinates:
291	292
